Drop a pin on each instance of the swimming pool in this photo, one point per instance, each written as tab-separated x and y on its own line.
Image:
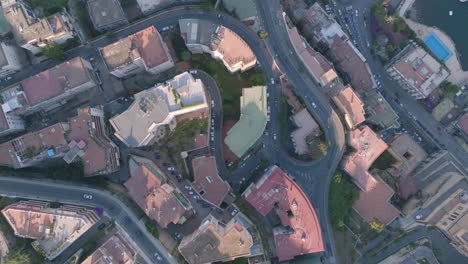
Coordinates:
438	47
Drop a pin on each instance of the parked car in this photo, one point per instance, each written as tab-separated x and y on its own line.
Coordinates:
87	196
157	256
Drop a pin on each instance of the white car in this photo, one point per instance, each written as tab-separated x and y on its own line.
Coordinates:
314	105
157	256
87	196
274	136
171	169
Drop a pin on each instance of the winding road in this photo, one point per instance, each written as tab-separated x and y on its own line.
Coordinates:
313	177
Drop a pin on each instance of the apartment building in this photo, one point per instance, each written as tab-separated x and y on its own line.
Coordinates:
207	182
316	64
142	51
118	247
10	123
153	110
325	29
375	194
49	89
451	217
80	138
33	33
299	230
214	241
52	229
161	201
350	105
10	59
106	14
220	42
417	71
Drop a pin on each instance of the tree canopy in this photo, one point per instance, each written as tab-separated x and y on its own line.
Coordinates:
342	196
53	51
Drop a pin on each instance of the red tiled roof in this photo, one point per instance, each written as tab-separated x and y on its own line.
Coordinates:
116	249
94	158
158	204
373	199
351	105
207	180
368	147
351	62
374	204
49	137
150	46
55	81
463	123
29	221
276	188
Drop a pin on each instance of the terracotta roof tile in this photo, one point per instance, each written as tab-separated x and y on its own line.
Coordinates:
276	188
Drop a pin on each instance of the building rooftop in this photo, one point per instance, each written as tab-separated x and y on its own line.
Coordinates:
380	112
374	197
54	229
145	44
156	198
99	154
317	64
420	69
157	106
408	154
48	84
463	123
5	27
307	128
27	28
116	249
351	106
21	151
105	13
353	63
244	9
213	242
451	216
320	23
252	122
301	232
197	31
367	148
83	135
233	48
207	181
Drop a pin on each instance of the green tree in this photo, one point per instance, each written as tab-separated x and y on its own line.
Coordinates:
262	34
17	256
152	228
342	196
450	89
53	51
400	24
110	35
186	56
377	225
379	11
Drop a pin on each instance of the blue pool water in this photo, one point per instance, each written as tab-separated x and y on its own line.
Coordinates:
438	47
